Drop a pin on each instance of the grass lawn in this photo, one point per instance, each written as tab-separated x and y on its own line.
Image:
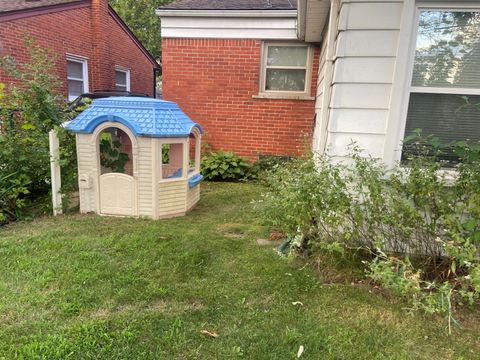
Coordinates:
91	287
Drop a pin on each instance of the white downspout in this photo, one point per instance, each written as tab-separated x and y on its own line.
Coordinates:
325	107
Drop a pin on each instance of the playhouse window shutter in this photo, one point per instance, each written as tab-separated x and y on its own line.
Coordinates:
445	92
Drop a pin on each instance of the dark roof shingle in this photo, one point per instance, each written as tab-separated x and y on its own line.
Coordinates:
15	5
231	5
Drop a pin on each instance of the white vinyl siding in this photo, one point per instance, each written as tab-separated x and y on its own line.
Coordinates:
77	76
364	60
217	27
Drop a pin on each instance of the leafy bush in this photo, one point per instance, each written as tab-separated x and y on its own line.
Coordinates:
29	109
111	156
11	189
416	227
225	166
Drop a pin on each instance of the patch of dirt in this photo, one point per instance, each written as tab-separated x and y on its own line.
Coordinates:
265	242
276	236
232	230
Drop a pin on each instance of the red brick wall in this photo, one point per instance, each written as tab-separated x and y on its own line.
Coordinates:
214	81
70	31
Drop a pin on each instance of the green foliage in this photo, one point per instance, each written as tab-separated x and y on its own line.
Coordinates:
140	17
12	187
425	220
29	109
165	153
110	155
225	166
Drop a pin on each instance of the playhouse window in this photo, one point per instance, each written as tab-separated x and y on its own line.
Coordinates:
115	152
122	79
445	85
77	77
172	161
285	68
193	153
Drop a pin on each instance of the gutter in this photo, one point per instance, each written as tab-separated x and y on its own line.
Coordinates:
301	19
227	13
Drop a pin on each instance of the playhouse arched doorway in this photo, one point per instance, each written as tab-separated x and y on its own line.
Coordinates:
116	180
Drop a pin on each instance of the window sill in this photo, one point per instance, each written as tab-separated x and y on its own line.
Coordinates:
283	96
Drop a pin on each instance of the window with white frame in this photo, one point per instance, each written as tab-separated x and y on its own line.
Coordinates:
444	99
77	76
286	68
122	79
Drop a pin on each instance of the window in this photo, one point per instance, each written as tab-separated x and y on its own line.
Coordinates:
444	98
286	68
122	79
172	161
194	152
77	77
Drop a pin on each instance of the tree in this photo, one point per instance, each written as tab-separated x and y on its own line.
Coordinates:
140	16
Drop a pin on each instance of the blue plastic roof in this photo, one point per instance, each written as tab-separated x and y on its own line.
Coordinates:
143	116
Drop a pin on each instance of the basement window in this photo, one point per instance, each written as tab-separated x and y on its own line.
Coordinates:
286	69
122	79
77	77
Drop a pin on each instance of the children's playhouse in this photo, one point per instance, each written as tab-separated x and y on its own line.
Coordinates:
137	157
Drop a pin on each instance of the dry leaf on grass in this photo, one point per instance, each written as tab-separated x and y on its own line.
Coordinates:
301	349
209	334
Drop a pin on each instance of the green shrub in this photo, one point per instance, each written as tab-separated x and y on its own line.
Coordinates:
12	187
416	229
29	109
225	166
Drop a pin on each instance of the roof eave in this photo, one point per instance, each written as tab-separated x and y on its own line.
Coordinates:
133	37
311	19
41	10
227	13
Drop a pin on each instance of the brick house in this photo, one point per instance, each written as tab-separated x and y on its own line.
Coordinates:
95	49
237	68
380	69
